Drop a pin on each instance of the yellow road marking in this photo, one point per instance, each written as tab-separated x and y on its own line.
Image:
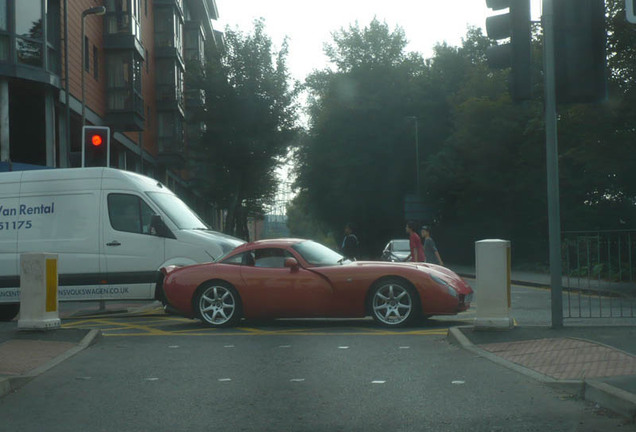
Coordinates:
151	327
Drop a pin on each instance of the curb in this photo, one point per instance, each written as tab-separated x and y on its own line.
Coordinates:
607	396
9	384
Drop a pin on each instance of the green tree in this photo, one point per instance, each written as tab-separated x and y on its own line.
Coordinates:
358	161
250	113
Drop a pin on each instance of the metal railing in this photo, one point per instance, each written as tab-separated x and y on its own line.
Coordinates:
599	270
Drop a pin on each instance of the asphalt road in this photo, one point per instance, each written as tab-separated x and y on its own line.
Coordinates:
285	382
165	373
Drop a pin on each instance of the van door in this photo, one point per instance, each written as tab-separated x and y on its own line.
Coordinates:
132	252
10	224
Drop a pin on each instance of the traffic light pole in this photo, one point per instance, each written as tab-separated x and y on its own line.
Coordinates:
552	158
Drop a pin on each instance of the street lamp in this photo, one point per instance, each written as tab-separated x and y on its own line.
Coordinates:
417	156
98	10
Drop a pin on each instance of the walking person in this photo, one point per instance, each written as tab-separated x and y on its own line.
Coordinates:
415	243
350	245
430	250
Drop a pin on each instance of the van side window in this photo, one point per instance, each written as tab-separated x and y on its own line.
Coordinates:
129	213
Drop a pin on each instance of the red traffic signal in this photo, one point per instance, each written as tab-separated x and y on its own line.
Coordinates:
97	140
96	146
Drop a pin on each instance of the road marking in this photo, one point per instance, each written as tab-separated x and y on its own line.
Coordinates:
225	379
172	326
297	379
378	382
343	347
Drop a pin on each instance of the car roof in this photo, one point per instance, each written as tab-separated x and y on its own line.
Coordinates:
280	242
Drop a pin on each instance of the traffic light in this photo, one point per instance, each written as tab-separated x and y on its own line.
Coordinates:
96	146
516	54
579	51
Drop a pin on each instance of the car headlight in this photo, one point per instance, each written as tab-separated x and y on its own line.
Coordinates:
445	284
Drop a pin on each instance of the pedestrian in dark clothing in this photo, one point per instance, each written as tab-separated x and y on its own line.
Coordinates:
415	242
430	250
350	245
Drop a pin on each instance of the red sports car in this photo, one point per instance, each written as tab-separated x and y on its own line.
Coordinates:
293	278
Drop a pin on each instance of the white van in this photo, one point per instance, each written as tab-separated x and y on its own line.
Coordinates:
112	231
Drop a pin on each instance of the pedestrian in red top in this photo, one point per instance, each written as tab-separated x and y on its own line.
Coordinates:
415	242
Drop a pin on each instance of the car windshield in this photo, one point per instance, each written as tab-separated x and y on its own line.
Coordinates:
401	245
178	212
317	254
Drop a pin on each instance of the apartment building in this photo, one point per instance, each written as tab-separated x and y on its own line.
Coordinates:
64	63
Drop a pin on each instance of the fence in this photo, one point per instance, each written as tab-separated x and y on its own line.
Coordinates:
598	274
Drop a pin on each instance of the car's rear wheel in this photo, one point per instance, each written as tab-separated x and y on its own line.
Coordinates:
218	304
393	302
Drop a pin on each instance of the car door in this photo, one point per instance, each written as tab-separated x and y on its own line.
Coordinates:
271	289
133	253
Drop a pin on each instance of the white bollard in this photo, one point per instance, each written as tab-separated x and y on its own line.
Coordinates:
493	285
38	292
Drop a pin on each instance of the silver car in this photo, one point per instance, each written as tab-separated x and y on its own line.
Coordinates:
396	250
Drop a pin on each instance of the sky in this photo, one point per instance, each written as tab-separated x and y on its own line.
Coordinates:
309	24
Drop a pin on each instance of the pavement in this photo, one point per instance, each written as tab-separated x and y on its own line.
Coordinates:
594	362
25	354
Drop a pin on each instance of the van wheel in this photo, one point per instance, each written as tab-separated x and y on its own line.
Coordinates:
9	311
218	304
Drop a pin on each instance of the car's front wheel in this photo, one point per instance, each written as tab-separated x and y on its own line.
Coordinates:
218	304
393	302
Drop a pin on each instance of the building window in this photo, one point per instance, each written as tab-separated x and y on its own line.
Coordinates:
4	36
170	132
87	59
28	28
168	29
95	63
170	81
122	17
194	43
4	18
53	27
124	82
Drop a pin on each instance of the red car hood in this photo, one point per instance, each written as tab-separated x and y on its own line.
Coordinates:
438	271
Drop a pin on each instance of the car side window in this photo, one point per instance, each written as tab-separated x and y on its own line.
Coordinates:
129	213
271	257
236	259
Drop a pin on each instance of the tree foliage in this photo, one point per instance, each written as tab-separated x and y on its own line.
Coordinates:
250	112
482	156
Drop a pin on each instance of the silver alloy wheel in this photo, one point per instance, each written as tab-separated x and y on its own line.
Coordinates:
217	305
392	304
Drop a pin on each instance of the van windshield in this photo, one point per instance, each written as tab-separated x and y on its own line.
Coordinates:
178	212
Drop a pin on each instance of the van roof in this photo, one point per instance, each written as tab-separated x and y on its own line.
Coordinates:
78	174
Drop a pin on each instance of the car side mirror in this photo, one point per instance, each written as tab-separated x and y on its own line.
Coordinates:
158	227
292	264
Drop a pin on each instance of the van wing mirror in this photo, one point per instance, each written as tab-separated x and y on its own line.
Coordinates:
292	263
158	227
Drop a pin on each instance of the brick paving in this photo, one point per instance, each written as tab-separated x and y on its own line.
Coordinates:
566	358
21	356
